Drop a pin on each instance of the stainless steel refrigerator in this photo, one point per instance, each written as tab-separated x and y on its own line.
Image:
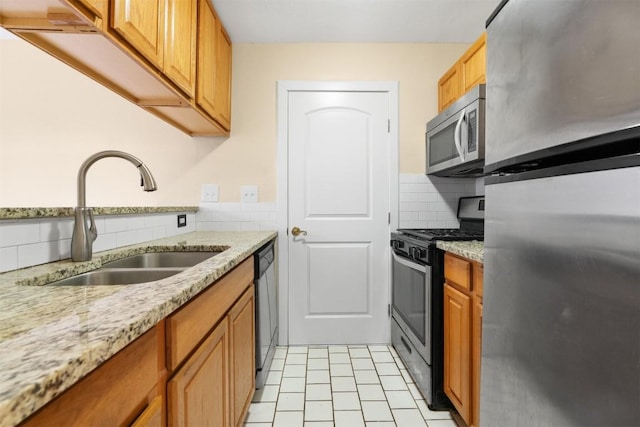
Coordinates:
561	326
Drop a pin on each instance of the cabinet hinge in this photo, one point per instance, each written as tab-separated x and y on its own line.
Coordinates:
389	309
388	125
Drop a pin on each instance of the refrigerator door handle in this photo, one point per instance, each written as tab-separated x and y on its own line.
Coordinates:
458	133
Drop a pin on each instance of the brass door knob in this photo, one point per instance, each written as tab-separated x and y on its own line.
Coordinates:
296	232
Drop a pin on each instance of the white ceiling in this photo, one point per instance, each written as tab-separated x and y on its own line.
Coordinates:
375	21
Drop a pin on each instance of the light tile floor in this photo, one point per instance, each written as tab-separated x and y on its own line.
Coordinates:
341	386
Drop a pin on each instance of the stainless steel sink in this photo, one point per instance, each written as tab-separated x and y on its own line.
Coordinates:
161	259
119	276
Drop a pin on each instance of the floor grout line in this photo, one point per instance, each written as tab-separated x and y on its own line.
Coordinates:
394	388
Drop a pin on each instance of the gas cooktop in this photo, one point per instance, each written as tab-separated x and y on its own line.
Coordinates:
428	234
470	215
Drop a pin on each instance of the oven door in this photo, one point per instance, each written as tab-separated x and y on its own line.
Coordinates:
411	292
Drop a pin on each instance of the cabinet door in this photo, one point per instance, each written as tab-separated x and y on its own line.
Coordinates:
112	395
242	358
457	350
96	7
473	64
477	353
214	67
180	43
198	395
141	23
152	415
449	87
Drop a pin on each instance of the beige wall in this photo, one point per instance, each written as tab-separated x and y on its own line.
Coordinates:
52	118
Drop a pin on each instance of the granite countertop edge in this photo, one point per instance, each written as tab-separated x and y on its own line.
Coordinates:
474	249
52	212
53	336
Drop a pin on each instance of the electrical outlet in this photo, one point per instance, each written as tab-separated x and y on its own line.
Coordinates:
209	193
249	193
182	220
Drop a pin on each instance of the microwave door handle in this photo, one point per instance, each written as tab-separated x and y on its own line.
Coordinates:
457	134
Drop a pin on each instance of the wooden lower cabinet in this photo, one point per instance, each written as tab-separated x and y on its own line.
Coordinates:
457	351
194	368
215	385
476	345
152	416
199	392
211	354
463	335
242	357
114	394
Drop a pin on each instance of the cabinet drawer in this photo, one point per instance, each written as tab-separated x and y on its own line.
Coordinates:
112	395
457	271
191	324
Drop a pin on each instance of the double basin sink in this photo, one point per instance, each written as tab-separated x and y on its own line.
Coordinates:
140	268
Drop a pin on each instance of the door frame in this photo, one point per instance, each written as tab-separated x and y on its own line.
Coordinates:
282	100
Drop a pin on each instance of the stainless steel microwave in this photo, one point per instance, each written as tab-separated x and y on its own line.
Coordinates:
455	137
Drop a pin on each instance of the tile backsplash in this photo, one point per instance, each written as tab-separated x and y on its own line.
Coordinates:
28	242
425	202
432	202
237	216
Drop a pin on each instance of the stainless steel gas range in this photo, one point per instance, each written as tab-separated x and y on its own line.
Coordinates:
417	297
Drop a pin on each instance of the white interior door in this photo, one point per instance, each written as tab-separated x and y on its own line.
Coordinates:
338	194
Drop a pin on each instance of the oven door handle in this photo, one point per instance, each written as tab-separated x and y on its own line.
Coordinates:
407	263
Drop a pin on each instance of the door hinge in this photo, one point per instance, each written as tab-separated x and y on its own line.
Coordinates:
389	218
388	125
389	309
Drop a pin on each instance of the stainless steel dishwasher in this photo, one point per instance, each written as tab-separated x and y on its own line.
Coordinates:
266	311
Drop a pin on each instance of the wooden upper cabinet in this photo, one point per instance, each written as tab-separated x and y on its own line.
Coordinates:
223	77
449	87
141	23
473	64
214	67
180	43
147	51
96	10
467	72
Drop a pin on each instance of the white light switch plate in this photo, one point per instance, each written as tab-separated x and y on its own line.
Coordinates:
209	193
249	193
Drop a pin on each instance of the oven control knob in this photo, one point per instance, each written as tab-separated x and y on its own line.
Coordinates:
417	253
397	244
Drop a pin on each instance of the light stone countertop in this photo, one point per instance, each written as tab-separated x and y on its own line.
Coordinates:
474	250
52	336
34	213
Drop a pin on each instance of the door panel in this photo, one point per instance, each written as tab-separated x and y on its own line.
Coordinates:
345	190
339	269
338	151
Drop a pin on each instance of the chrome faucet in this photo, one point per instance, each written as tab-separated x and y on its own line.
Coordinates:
84	234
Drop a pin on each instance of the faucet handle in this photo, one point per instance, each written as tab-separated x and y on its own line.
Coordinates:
93	231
